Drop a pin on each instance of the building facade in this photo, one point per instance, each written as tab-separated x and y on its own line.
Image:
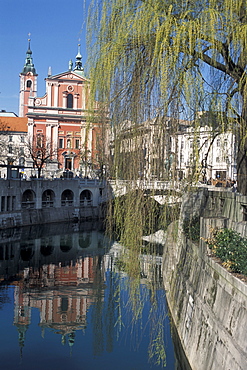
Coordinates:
165	148
65	117
13	150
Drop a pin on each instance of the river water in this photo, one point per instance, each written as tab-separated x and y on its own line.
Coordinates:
68	300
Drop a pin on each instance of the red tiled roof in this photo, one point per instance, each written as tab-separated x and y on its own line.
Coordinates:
16	124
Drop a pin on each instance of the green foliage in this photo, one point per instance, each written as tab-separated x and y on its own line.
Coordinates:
231	248
155	58
191	228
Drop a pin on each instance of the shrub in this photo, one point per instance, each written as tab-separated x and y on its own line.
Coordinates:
231	248
191	228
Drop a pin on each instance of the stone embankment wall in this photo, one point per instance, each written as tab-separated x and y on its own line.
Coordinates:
41	201
207	303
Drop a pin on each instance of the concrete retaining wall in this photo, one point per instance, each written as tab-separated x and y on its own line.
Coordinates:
207	303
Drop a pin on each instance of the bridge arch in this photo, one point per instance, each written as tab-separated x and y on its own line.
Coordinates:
86	198
67	198
26	252
48	198
85	240
66	243
46	247
28	199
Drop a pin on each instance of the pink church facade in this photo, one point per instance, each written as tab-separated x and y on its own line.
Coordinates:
63	116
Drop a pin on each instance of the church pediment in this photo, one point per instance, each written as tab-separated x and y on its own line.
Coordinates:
69	75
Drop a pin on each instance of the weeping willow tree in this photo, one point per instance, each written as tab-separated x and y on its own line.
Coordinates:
150	60
153	58
156	63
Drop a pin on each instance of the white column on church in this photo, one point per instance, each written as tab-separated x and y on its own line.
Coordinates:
83	133
30	128
64	99
55	136
76	98
48	132
83	105
56	95
49	94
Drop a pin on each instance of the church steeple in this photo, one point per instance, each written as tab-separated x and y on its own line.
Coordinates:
28	82
29	66
78	64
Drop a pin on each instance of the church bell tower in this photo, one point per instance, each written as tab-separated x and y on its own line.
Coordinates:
28	83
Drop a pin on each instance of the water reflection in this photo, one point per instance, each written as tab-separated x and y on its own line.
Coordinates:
80	284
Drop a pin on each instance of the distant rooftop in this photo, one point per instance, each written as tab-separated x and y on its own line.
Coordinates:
3	113
13	124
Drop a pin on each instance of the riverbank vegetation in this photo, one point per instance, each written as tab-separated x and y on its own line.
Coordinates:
231	248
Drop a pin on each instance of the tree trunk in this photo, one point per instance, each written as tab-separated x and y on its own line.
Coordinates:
39	172
242	169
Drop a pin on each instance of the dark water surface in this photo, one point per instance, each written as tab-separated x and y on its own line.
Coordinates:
66	302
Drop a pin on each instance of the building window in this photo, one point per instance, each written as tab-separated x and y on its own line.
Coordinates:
21	161
21	151
69	143
218	142
10	149
69	101
217	159
39	141
29	84
77	143
22	139
10	138
60	143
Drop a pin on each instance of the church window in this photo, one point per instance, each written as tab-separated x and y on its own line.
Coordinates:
39	141
29	84
60	143
69	101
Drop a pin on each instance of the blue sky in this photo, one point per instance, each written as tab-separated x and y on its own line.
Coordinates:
55	27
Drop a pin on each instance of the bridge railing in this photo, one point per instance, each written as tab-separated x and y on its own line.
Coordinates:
121	187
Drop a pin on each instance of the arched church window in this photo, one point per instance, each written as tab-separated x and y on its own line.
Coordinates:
69	143
29	84
69	101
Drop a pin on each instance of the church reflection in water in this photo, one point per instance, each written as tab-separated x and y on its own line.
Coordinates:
66	270
60	274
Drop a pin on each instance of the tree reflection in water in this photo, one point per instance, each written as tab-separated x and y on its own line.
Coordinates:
72	277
